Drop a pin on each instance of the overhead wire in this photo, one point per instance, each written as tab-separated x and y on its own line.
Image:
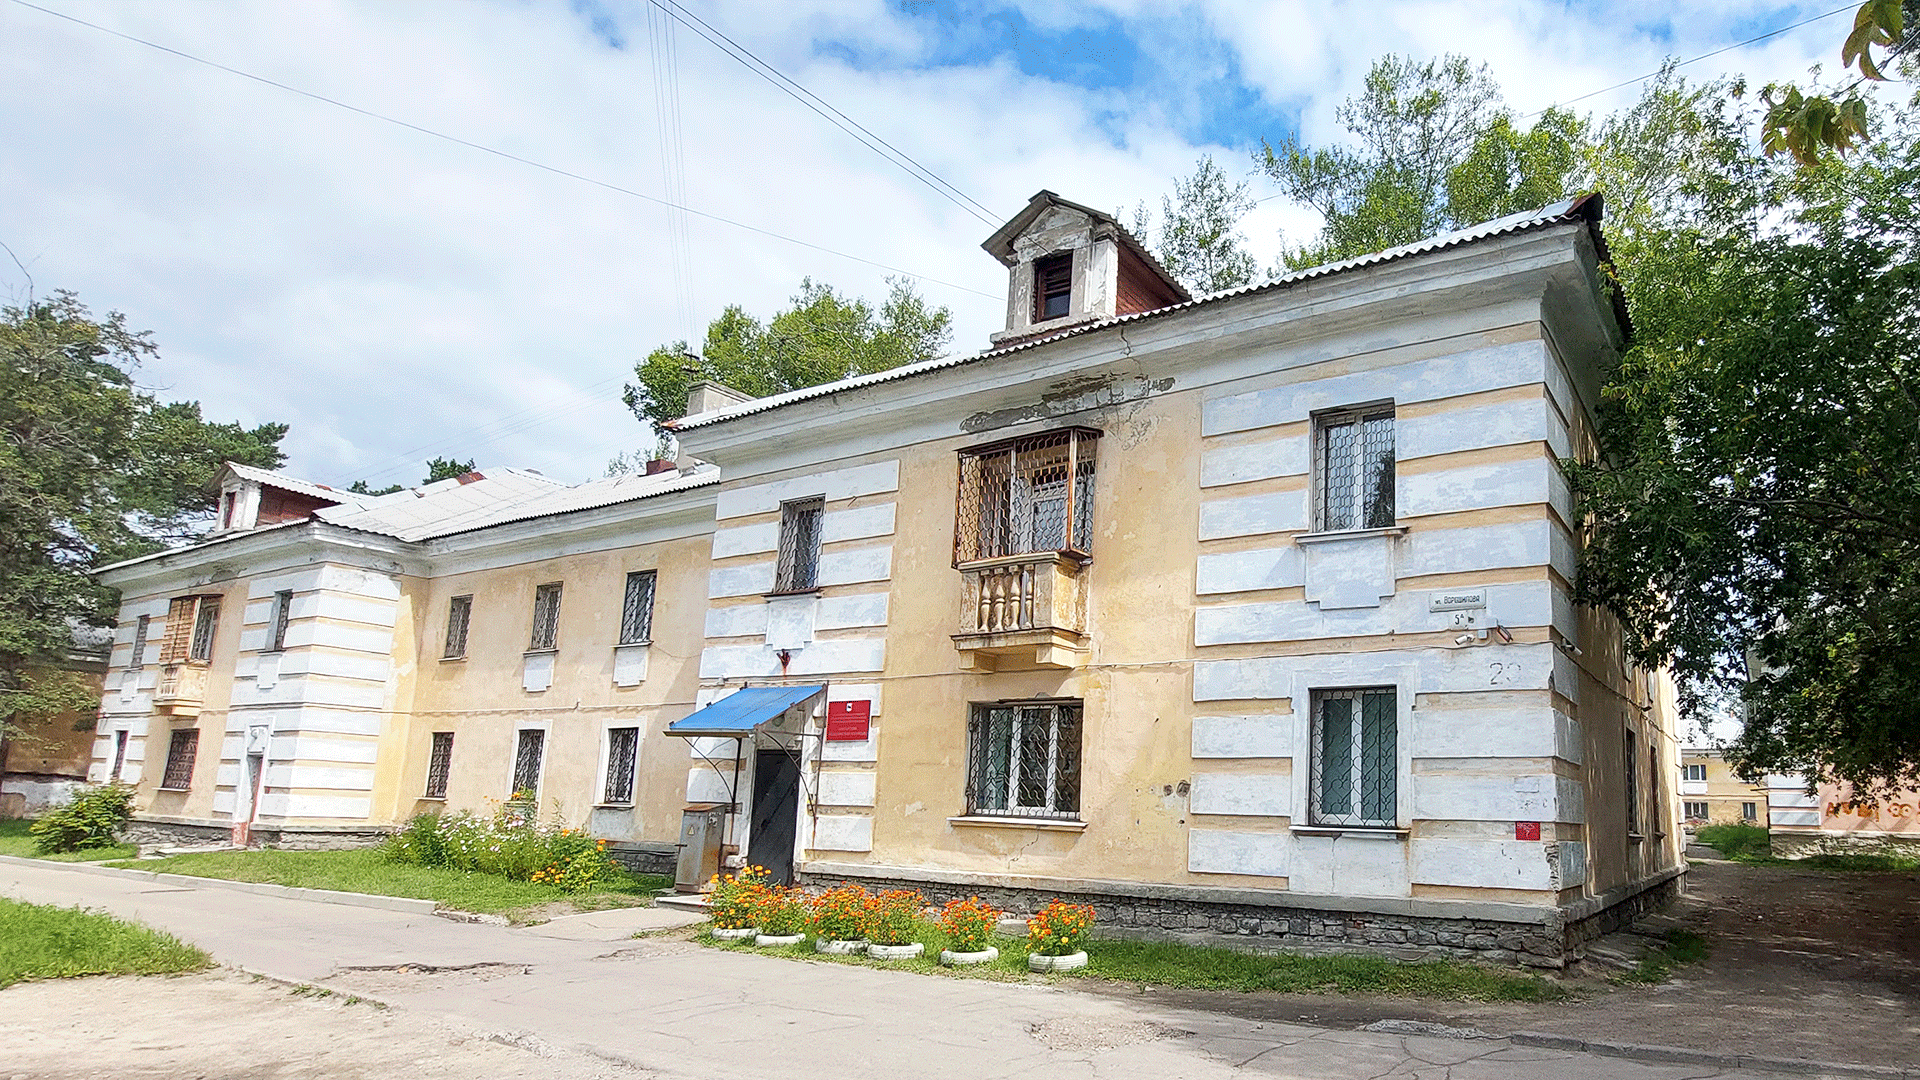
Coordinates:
673	169
465	440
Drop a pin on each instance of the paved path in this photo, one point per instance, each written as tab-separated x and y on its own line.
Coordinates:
672	1008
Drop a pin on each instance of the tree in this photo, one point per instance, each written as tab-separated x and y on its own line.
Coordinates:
1807	125
92	469
446	469
1199	243
822	337
361	487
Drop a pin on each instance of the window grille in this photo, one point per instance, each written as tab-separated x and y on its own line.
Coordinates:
1749	811
1354	453
1052	286
1696	772
180	754
799	567
546	617
1633	787
459	613
439	764
282	610
1695	811
1013	496
140	630
1356	766
622	746
526	762
1023	760
636	611
204	623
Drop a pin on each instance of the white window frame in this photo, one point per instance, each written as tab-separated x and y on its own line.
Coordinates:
1696	774
1015	731
546	754
1356	414
1688	806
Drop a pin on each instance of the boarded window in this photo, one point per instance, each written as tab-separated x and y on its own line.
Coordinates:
180	754
623	744
459	611
1353	454
546	617
527	755
1023	759
140	641
636	609
1052	286
178	633
205	621
799	566
1355	781
1014	496
439	764
282	610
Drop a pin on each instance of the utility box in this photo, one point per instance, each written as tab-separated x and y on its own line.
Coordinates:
703	830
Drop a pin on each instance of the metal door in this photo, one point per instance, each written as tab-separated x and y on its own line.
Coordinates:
776	813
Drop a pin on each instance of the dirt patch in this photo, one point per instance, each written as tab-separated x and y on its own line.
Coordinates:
1823	966
1089	1034
230	1026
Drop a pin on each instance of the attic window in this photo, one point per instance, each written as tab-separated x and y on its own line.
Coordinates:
1052	286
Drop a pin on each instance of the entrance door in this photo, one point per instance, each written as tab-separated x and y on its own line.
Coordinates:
775	814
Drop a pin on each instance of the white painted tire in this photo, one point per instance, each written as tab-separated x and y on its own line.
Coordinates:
896	952
778	939
735	935
839	948
1069	962
968	959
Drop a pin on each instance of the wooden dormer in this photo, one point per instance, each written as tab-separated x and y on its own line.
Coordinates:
1069	265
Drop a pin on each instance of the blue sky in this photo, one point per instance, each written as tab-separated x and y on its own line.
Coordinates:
394	297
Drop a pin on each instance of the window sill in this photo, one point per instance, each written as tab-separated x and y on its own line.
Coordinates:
174	789
1370	832
1634	837
633	644
783	594
613	806
541	652
992	822
452	659
1348	534
431	798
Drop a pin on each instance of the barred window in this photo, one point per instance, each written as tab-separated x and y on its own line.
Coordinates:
623	743
140	630
527	755
1023	759
439	764
180	754
1014	496
636	610
1353	452
205	621
277	630
1356	766
459	613
799	567
1696	811
546	617
1052	286
1633	787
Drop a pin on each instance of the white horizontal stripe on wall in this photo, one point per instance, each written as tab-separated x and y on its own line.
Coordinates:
1441	730
1219	851
858	565
1254	461
1486	547
740	580
344	608
1487	864
833	485
857	523
843	832
1248	571
867	749
1518	364
746	539
277	804
309	748
844	612
1243	736
846	788
1527	603
1241	794
1349	866
1793	817
1436	671
227	776
223	802
322	690
1253	515
1499	423
312	718
737	620
817	658
359	666
1465	797
317	776
1484	487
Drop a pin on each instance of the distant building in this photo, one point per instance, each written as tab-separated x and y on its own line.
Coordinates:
43	765
1711	795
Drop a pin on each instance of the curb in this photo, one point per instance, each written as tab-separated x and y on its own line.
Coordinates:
1676	1055
403	904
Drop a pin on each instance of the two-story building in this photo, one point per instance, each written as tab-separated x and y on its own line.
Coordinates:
1244	614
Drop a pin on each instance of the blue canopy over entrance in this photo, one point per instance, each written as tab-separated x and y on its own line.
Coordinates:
739	713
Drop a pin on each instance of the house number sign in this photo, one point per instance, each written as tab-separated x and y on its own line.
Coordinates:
847	720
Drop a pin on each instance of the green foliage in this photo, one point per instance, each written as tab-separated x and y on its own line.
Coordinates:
893	917
93	818
16	839
823	337
735	900
1806	126
1736	840
446	469
41	941
1199	243
1680	947
361	487
510	843
781	912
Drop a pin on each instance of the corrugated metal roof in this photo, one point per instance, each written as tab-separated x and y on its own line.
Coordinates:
1586	209
498	497
301	487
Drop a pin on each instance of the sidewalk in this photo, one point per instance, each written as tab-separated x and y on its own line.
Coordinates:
674	1008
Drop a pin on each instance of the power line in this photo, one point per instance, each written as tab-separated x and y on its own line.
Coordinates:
819	105
556	170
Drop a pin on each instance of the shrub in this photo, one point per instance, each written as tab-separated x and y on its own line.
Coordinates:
735	900
1059	928
780	912
508	844
838	914
91	819
1737	840
969	923
892	917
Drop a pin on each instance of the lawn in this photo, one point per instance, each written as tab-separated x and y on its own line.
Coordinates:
15	840
364	870
1751	845
1169	964
41	941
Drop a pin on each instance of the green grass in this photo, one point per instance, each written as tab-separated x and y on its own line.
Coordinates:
15	840
1750	844
1681	947
1170	964
365	871
1742	843
41	941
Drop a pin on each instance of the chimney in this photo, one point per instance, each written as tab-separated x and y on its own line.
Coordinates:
660	465
707	396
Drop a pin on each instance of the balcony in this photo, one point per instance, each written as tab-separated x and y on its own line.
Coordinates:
1023	611
181	689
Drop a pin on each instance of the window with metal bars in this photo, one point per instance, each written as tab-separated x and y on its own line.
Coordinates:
1355	779
1633	787
623	744
459	614
205	621
636	610
439	764
277	630
140	630
528	752
1014	496
799	567
546	618
1353	455
1023	759
180	754
1052	286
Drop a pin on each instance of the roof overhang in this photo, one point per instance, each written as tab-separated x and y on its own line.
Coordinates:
745	712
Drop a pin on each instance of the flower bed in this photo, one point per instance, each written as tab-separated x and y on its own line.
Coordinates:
508	843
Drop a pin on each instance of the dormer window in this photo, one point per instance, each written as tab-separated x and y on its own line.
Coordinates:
1052	286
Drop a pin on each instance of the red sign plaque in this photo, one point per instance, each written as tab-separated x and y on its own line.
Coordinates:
847	720
1526	830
